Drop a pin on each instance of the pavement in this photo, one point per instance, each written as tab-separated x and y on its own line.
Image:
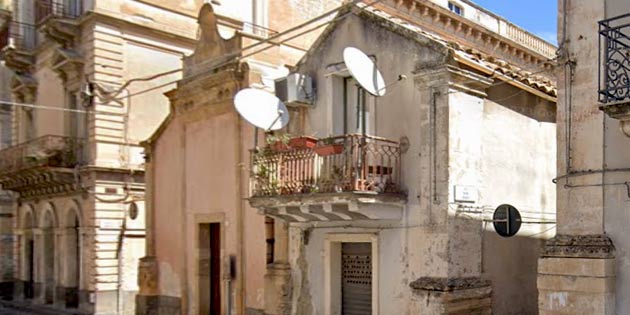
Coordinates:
21	308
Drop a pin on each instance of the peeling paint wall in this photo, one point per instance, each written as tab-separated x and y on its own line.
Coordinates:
477	142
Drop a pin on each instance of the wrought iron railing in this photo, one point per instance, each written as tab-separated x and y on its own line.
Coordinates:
347	163
614	59
68	9
46	151
22	36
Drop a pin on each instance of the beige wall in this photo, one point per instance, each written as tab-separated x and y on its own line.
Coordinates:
505	149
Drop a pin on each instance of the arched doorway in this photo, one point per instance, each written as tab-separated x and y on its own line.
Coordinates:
28	257
72	260
48	261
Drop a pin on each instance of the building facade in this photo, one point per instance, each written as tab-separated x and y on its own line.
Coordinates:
6	200
387	211
206	248
583	269
86	85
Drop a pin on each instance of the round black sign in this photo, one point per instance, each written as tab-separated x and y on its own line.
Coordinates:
506	220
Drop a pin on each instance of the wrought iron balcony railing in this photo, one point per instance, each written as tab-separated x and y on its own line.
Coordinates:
68	9
22	36
46	151
614	59
350	163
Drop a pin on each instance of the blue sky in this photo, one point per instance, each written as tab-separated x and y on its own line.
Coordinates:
536	16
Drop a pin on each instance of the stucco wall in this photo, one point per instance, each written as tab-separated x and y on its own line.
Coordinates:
506	150
616	155
478	142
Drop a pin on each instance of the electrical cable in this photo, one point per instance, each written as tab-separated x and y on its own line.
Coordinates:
236	53
236	57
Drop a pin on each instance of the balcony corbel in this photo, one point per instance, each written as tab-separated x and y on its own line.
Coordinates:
68	64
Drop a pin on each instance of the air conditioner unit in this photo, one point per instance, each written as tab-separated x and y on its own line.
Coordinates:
295	89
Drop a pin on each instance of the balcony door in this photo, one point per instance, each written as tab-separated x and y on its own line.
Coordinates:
357	108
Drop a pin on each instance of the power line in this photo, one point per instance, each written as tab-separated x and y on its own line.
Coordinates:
265	41
237	58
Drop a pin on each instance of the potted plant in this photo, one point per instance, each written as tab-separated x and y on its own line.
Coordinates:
278	143
303	142
328	146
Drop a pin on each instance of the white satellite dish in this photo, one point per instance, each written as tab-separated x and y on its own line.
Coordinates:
261	109
364	71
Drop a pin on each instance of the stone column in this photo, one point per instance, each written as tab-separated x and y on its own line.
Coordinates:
38	265
450	282
278	277
576	271
19	259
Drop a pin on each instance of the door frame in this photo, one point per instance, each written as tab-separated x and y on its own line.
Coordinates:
199	219
332	272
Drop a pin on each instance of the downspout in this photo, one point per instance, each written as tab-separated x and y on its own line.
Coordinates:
239	213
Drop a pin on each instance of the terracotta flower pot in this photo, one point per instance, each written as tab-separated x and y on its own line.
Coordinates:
329	149
304	142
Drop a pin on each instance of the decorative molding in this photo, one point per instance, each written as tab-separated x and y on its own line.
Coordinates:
621	112
211	48
579	246
448	284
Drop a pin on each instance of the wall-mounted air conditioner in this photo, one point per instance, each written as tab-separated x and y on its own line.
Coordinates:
295	89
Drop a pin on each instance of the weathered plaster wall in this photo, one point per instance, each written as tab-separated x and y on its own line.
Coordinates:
506	150
616	153
486	144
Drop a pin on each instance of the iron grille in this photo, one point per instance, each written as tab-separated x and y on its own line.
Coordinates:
68	9
23	36
338	164
614	59
46	151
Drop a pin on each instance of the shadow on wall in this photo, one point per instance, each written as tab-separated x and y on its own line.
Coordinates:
511	264
523	103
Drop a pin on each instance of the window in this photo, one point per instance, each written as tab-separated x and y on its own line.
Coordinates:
354	108
455	8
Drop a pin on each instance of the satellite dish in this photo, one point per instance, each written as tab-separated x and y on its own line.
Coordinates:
506	220
364	71
261	109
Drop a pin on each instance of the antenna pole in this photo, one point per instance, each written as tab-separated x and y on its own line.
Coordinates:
255	137
275	120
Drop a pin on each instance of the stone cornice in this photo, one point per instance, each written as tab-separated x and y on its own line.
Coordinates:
579	246
435	18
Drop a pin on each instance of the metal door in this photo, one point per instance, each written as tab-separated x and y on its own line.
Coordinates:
356	281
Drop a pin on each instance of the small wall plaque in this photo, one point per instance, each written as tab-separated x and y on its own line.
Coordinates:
466	194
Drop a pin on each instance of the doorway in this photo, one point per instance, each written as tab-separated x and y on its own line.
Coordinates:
29	283
210	269
356	278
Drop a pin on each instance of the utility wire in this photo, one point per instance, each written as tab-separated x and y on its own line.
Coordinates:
268	40
236	57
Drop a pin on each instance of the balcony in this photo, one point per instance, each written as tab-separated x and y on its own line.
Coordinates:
47	9
43	165
21	42
340	178
58	19
614	71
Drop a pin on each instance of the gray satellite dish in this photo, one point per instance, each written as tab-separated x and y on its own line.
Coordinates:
261	109
364	71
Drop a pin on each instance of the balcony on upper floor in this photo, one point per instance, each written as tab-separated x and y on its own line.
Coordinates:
21	39
349	177
614	71
44	165
58	19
